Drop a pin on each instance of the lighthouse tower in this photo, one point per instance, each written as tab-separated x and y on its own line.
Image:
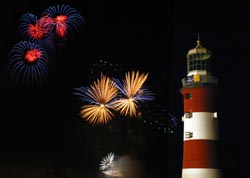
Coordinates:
200	139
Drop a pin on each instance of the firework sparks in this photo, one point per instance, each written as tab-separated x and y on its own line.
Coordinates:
100	95
158	118
107	67
132	92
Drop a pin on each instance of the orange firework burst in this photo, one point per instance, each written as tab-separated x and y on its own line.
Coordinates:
132	89
126	106
100	95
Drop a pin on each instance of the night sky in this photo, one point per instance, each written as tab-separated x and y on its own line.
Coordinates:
41	125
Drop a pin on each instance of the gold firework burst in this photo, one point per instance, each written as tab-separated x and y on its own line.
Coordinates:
132	89
101	93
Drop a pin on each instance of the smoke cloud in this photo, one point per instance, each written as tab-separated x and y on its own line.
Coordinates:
130	167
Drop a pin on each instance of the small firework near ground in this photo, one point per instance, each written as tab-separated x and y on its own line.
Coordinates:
108	166
125	166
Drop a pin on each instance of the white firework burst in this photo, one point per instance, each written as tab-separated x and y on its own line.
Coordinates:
107	162
108	166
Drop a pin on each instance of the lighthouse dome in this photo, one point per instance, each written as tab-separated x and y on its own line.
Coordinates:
199	52
198	60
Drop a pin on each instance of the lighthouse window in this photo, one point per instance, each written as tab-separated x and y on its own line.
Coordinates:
188	115
191	62
198	65
203	64
188	134
188	95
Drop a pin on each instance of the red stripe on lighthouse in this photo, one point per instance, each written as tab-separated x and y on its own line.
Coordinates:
200	99
200	154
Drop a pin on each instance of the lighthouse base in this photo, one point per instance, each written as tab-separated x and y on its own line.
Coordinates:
201	173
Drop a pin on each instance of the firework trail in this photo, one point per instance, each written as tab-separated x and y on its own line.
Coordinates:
66	20
172	123
132	92
100	95
37	31
28	62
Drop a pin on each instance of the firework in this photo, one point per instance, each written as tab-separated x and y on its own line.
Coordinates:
28	62
37	31
107	162
109	167
132	92
124	166
66	20
100	95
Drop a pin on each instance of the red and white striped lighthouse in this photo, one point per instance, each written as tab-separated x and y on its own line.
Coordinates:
200	139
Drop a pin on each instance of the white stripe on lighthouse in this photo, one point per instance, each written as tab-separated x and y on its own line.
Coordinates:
201	125
201	173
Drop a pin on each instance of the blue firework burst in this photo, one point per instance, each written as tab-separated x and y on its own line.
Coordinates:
37	31
66	20
28	63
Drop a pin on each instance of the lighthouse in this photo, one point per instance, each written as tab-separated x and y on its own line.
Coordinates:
200	122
